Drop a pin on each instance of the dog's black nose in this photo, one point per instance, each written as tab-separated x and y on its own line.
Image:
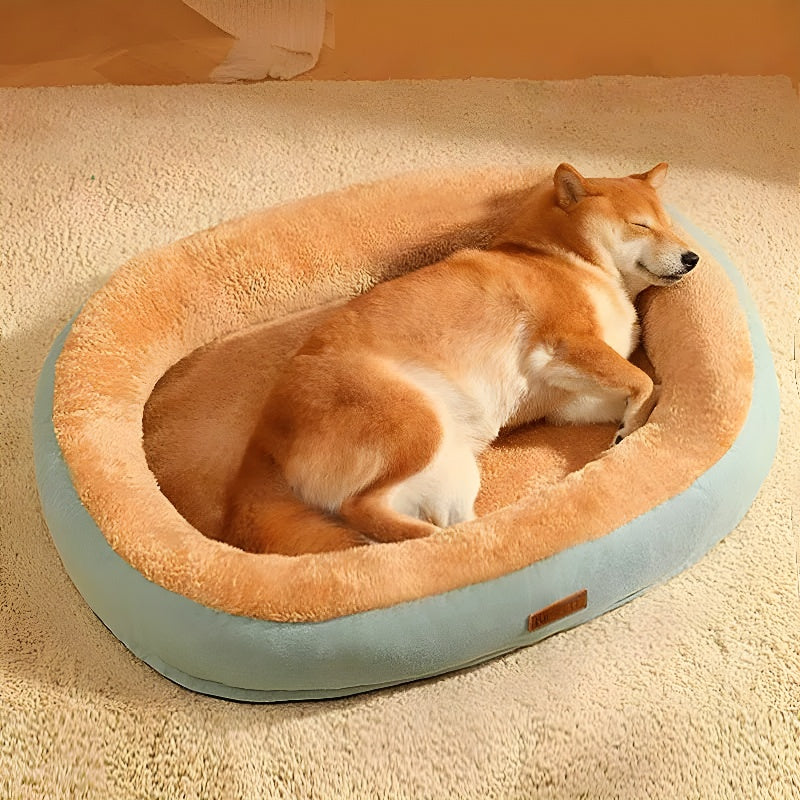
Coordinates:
689	260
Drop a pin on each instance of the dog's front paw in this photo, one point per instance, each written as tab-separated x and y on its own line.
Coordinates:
633	421
630	425
625	430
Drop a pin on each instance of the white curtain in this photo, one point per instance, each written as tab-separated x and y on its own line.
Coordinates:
275	38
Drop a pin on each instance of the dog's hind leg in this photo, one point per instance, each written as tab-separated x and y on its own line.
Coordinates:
445	491
410	440
440	494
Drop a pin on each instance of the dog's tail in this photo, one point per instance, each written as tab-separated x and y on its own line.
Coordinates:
263	515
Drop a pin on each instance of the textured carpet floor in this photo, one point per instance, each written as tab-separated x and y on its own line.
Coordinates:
691	691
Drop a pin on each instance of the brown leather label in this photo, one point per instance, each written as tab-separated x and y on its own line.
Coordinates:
558	610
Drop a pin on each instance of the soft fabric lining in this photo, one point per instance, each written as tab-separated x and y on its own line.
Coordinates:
165	305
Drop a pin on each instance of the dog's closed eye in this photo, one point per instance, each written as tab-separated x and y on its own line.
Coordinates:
640	225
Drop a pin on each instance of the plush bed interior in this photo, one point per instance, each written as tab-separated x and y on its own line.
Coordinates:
166	367
199	417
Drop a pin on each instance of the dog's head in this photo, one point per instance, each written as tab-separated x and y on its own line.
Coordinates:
624	219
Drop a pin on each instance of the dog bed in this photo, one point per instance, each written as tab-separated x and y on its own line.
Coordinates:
147	399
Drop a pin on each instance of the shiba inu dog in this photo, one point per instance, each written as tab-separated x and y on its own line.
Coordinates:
371	432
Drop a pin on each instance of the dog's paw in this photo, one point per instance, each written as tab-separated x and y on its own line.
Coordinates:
633	421
626	428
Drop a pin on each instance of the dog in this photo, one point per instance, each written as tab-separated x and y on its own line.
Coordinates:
371	432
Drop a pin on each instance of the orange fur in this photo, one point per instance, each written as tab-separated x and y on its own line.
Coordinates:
371	432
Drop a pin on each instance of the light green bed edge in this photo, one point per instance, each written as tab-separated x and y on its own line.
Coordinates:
241	658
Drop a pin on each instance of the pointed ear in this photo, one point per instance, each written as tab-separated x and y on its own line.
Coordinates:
656	176
570	185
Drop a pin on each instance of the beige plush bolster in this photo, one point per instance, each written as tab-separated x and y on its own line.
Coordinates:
233	296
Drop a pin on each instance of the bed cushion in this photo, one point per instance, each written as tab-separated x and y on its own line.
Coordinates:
148	397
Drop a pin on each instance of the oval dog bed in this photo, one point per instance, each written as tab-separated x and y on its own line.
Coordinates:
148	397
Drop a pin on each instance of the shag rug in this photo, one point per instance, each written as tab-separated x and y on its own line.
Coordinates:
690	691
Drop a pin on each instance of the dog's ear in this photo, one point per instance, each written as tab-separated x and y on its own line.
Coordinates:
656	176
570	185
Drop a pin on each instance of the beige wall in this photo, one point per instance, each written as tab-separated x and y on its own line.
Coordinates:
62	42
544	39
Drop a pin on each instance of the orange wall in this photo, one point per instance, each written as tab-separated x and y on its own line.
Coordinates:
553	39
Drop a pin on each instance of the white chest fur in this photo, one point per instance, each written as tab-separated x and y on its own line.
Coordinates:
501	380
615	317
560	392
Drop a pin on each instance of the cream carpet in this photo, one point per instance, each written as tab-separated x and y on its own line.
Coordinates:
691	691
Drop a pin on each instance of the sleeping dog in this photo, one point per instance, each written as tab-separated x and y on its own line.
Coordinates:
372	431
